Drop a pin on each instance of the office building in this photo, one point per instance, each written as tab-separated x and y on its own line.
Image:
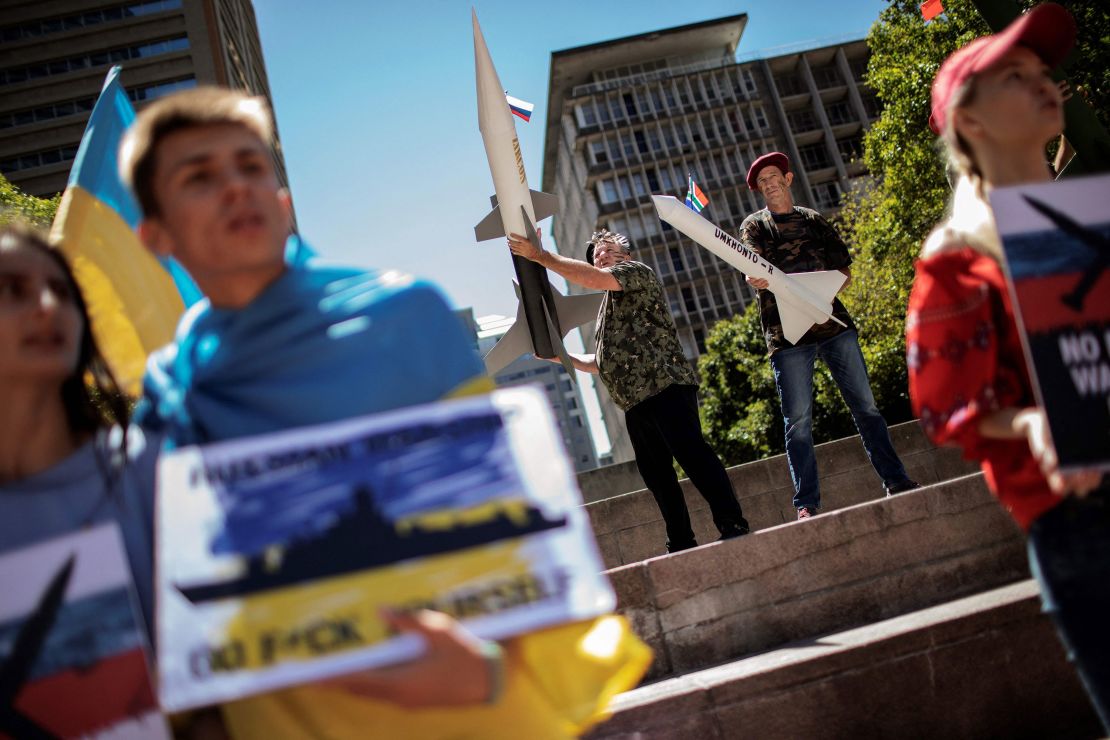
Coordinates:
634	116
562	393
54	55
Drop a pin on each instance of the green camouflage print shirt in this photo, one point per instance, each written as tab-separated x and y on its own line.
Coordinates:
801	241
638	354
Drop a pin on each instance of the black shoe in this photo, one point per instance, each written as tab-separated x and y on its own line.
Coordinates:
734	530
680	547
906	485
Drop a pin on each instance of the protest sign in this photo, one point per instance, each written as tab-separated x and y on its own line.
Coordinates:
72	648
276	553
1056	237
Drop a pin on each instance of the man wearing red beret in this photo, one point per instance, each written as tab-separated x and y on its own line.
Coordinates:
798	239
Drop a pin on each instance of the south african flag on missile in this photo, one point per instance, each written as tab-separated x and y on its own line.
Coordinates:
696	200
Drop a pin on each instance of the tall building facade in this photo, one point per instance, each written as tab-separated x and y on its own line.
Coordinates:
562	393
54	55
635	116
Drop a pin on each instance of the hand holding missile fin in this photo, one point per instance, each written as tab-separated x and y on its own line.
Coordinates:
516	209
804	298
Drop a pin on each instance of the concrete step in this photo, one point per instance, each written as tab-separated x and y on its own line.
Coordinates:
629	528
846	568
989	665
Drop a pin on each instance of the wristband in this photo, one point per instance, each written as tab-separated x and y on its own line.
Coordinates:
494	657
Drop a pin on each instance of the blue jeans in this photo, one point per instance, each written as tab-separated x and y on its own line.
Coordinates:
793	368
1069	555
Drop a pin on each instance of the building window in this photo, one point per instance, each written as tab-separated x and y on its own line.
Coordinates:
38	159
850	148
95	59
749	81
760	119
676	260
802	120
625	188
34	29
699	339
839	113
607	191
630	105
566	386
790	84
827	194
826	77
571	403
688	300
598	153
585	114
815	157
871	105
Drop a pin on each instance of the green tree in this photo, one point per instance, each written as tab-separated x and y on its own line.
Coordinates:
884	224
15	205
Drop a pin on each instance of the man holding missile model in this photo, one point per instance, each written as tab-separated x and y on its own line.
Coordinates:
799	240
641	363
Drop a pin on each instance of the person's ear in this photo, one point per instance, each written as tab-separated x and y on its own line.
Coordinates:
154	235
286	202
967	124
789	177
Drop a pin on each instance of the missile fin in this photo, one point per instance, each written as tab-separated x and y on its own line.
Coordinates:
517	341
490	227
575	310
794	323
543	204
557	343
824	283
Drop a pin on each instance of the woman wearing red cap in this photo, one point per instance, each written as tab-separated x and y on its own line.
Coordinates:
995	107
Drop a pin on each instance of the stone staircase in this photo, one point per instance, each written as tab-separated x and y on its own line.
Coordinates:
908	616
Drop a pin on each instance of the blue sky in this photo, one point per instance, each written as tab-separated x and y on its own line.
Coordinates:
376	110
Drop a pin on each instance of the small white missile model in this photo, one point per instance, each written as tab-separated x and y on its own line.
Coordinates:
544	315
803	298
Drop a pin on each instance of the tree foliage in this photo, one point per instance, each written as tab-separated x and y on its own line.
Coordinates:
884	224
15	205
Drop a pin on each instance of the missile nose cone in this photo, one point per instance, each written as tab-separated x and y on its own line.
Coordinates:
663	204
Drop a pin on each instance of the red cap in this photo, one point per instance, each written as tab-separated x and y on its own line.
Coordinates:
774	159
1047	30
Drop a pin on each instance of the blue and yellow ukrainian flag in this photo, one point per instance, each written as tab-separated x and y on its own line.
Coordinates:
135	299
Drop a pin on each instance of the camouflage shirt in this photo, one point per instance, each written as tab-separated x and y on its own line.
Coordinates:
638	354
801	241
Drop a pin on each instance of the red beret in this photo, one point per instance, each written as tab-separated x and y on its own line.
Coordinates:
1048	30
774	159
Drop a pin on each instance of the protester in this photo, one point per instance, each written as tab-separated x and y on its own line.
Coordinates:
797	239
995	107
640	361
286	342
65	461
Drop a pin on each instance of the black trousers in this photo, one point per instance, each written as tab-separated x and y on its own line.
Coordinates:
666	426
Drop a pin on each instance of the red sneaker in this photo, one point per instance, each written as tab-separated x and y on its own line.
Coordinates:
806	513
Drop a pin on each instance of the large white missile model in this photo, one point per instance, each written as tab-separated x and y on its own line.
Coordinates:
803	298
544	315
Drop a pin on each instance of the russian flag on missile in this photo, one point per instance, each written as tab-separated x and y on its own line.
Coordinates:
520	108
696	200
134	299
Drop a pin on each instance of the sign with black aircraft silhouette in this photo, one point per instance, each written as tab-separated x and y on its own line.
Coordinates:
72	649
1056	237
276	553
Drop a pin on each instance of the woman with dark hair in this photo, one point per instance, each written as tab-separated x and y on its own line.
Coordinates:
67	458
995	107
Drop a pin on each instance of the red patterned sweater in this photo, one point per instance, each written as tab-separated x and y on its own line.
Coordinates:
965	361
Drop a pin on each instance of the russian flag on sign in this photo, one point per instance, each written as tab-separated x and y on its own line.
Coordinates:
520	108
